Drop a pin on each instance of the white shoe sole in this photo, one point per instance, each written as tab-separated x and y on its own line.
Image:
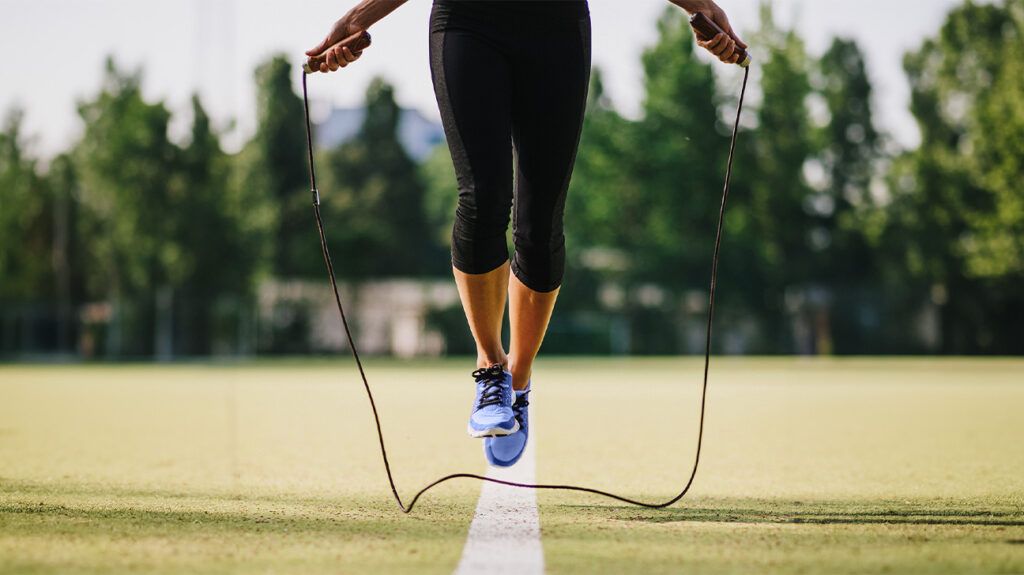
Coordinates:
493	432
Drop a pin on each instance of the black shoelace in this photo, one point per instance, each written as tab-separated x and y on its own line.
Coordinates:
519	407
491	378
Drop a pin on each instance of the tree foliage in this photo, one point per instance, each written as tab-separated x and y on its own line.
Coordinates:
956	199
834	241
849	148
216	233
783	217
24	228
123	162
375	199
273	169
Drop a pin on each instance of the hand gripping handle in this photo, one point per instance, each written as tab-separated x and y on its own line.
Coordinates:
356	42
706	30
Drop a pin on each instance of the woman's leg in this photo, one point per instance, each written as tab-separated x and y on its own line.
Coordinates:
529	312
472	81
483	299
548	104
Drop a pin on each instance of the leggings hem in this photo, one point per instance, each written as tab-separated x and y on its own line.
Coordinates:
476	268
535	286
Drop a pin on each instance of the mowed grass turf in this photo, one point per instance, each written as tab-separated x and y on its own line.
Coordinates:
844	466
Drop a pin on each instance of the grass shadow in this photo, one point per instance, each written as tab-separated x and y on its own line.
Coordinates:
157	511
824	512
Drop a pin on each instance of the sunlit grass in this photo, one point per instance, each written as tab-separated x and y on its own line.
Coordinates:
809	466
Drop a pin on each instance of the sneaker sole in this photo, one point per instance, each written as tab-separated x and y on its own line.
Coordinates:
493	432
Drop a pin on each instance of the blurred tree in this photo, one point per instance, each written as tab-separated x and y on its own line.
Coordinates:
222	254
994	249
441	194
955	209
681	160
843	206
602	190
643	203
272	168
850	150
25	271
68	247
785	226
604	206
126	164
374	196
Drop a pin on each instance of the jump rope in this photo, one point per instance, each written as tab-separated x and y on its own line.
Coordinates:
707	30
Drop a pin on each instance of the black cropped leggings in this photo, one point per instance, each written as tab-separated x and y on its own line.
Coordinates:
511	83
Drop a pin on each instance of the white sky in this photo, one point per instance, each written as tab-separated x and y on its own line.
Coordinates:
56	50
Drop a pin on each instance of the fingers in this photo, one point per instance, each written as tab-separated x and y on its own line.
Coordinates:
735	38
723	47
338	57
347	56
729	55
713	45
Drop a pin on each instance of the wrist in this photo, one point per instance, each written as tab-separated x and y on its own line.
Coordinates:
693	6
356	20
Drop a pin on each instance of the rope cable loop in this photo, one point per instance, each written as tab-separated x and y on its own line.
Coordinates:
407	508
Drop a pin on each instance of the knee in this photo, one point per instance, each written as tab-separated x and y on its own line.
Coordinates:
478	236
477	218
540	262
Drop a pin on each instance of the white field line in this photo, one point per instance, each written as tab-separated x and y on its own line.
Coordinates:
505	534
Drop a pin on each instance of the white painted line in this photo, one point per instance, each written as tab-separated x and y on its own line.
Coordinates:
505	534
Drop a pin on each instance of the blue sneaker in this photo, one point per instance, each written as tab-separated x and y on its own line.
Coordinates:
492	411
505	451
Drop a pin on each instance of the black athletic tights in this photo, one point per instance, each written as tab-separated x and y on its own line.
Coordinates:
511	83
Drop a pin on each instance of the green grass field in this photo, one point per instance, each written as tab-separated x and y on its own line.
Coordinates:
846	466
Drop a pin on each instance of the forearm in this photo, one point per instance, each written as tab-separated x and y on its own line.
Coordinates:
368	12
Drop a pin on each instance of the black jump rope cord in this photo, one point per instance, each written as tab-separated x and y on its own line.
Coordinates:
369	394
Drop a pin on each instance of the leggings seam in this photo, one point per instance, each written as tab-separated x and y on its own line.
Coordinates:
460	154
559	210
560	206
459	143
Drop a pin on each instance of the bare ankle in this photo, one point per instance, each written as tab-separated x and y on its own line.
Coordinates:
488	359
520	377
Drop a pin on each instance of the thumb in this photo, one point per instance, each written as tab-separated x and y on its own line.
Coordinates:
319	48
